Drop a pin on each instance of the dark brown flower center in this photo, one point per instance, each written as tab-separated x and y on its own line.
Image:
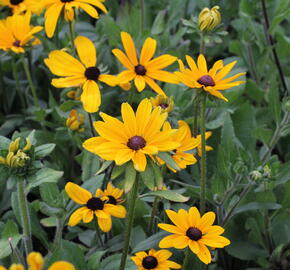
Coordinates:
16	43
95	204
66	1
112	200
206	80
163	106
140	70
136	143
149	262
92	73
15	2
194	233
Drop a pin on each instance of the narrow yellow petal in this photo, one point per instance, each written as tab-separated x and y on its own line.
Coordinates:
129	47
148	51
77	193
86	51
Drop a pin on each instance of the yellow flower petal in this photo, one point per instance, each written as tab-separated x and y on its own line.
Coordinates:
118	211
105	224
77	216
129	47
35	261
91	96
51	17
61	266
140	162
77	193
86	51
148	51
161	62
140	83
154	86
202	66
123	59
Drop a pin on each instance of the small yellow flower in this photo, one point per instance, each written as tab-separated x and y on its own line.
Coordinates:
97	205
146	69
35	262
154	260
14	37
75	121
54	8
166	103
77	73
19	6
209	18
211	81
73	95
133	139
111	194
193	231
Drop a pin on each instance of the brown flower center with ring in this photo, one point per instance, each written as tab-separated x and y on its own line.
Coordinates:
95	204
163	106
16	43
66	1
112	200
15	2
149	262
194	233
92	73
136	143
140	70
206	80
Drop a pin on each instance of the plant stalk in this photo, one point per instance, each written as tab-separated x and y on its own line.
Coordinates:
154	211
24	217
186	259
16	78
92	125
30	82
129	222
203	157
72	35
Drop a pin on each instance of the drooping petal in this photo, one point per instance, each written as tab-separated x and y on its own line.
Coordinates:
140	83
140	162
77	216
105	224
118	211
91	96
154	85
148	50
73	81
35	261
51	17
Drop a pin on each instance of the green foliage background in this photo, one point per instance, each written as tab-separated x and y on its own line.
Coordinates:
255	213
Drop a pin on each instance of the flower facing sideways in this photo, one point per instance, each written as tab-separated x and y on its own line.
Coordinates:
137	136
35	262
19	6
77	73
193	231
97	205
212	81
16	33
154	260
54	8
145	70
166	103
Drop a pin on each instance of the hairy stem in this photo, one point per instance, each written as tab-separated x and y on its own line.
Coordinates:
153	215
129	223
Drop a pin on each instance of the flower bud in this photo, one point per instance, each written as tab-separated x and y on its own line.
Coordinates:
166	103
27	146
75	121
14	145
256	175
209	19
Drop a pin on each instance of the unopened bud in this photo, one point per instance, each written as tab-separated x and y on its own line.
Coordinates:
75	121
14	145
209	19
256	175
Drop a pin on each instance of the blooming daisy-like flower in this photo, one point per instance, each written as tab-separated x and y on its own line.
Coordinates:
77	73
19	6
92	206
113	195
211	81
154	260
16	32
166	103
187	143
35	262
144	70
193	231
137	136
54	8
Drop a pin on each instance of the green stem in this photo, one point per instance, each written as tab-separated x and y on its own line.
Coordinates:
58	233
203	157
153	215
195	116
92	125
16	78
142	15
129	222
24	216
186	259
30	82
72	34
98	233
202	44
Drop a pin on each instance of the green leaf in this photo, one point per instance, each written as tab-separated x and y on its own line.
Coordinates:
104	166
94	261
167	194
90	165
113	262
9	236
168	160
148	177
4	142
130	176
256	206
49	193
157	175
158	24
44	150
45	175
117	171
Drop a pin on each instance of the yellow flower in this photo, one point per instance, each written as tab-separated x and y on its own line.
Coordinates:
125	86
73	94
145	70
19	6
207	148
154	260
77	73
16	32
193	231
209	18
112	195
211	81
137	136
35	262
187	143
166	103
54	8
92	206
75	121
